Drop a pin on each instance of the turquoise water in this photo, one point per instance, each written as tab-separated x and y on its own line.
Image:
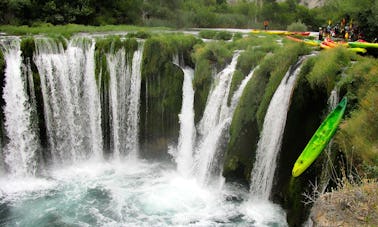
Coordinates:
128	193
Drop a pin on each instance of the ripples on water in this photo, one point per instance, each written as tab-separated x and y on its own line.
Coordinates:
131	193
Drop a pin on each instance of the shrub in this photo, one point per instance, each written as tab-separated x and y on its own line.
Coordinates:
297	27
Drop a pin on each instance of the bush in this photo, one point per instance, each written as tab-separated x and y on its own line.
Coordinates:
357	137
218	35
297	27
328	67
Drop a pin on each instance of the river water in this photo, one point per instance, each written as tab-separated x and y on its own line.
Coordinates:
128	193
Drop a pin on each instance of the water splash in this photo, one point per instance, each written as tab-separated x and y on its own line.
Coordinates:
21	151
271	137
71	98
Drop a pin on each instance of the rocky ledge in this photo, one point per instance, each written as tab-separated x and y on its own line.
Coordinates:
352	205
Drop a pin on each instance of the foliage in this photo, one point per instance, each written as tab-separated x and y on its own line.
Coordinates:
110	45
207	58
297	27
189	13
218	35
357	137
275	67
328	68
162	89
70	29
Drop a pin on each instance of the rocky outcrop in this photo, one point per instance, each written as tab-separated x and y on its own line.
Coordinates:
352	205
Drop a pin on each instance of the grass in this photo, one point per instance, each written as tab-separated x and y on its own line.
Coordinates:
328	67
359	132
70	29
275	67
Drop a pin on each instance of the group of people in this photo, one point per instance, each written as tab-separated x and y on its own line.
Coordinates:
344	30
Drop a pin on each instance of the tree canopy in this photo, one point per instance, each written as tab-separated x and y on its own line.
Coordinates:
189	13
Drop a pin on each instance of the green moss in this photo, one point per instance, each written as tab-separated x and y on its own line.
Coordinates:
139	34
110	45
27	47
162	89
275	67
208	58
256	42
212	34
243	130
2	63
70	29
248	117
328	67
237	78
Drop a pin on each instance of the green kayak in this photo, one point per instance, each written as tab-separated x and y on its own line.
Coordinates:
320	139
363	44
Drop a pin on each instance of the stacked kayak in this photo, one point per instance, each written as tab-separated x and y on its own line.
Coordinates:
278	32
306	41
320	139
329	43
363	45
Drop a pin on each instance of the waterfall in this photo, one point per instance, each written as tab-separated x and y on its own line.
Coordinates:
125	82
184	158
271	137
21	151
71	98
132	139
216	119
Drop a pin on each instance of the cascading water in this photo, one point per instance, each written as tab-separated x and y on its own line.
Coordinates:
184	157
71	98
125	81
21	152
128	191
271	137
216	119
132	141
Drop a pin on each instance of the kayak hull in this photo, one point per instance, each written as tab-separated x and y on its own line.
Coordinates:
363	44
320	139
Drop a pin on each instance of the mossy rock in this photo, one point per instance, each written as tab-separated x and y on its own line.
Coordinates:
161	91
250	112
103	47
2	102
209	58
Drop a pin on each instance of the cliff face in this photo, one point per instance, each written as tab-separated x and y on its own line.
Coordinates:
349	206
312	3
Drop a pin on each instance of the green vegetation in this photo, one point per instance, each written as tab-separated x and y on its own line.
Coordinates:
328	67
110	45
297	27
249	114
357	137
70	29
212	34
275	67
162	89
208	58
41	15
